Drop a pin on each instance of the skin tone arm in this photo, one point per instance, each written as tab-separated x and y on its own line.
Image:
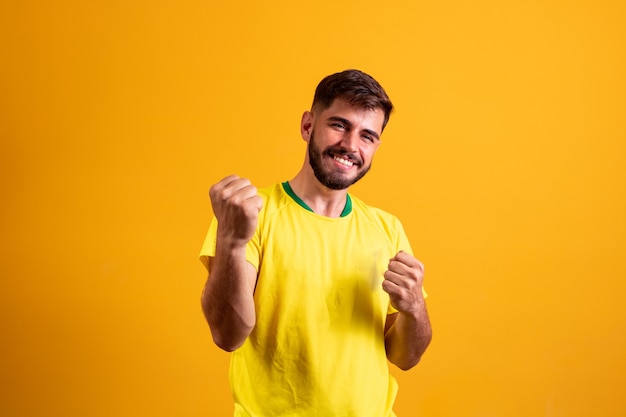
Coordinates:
227	300
408	332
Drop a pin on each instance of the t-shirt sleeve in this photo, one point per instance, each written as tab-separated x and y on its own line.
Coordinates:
210	244
208	247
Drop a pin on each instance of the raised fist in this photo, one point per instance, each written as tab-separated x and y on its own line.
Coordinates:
236	206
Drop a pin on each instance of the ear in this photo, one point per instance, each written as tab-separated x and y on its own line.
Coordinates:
306	125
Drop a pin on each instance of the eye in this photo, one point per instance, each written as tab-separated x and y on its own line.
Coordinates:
369	138
338	125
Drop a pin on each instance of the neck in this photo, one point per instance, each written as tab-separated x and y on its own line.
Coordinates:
322	200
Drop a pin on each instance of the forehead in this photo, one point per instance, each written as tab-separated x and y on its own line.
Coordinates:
360	117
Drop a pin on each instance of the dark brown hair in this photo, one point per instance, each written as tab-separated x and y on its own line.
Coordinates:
357	88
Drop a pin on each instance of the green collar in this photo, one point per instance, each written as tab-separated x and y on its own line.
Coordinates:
346	210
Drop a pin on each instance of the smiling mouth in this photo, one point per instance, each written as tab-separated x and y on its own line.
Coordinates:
343	161
344	158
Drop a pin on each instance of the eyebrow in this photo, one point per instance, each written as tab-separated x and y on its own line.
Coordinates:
349	124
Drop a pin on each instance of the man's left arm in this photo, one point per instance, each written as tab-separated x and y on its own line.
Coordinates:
408	332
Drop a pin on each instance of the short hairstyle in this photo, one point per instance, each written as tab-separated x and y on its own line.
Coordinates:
357	88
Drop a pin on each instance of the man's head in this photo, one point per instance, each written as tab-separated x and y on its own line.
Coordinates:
343	128
355	87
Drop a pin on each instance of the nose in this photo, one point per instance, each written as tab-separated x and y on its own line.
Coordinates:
350	141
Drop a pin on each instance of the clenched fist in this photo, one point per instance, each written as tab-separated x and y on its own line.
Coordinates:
236	206
403	283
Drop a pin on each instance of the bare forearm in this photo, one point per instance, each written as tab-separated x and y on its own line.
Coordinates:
227	299
228	296
407	339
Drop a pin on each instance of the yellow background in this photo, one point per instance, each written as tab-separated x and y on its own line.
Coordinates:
505	160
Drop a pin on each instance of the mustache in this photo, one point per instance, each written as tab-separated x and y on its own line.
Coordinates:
340	151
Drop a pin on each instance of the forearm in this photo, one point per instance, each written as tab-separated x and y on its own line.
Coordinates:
227	299
407	338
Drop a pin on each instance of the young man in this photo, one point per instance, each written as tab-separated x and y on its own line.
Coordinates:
312	289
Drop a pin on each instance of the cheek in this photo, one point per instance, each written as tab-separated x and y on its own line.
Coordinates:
368	152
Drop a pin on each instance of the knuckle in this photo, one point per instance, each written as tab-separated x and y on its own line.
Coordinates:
213	190
243	182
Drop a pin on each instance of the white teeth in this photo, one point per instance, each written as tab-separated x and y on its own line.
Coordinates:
343	161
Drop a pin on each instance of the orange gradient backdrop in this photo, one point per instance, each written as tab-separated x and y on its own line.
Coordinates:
505	160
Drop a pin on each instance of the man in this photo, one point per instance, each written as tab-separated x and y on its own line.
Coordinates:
310	288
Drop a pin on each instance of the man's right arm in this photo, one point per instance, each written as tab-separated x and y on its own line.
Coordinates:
228	296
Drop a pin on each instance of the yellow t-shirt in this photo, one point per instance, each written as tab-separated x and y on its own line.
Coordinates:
318	345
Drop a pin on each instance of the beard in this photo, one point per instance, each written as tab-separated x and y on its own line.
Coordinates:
333	179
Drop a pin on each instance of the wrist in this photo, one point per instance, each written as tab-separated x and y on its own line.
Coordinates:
227	245
415	313
229	241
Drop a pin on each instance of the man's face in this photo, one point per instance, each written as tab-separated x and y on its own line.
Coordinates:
342	143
